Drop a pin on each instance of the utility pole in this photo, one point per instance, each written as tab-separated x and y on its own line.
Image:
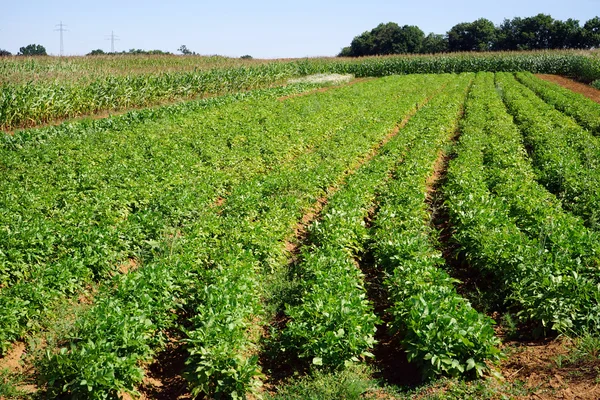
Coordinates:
61	29
112	39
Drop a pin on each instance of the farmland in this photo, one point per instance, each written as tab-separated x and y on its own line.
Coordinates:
286	240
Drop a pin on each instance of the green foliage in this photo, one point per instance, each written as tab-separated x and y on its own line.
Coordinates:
438	328
32	50
591	33
97	52
332	323
512	229
106	205
384	39
184	50
576	105
26	103
565	156
5	53
213	267
479	35
352	383
434	43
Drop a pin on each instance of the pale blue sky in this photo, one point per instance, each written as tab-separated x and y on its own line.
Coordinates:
261	28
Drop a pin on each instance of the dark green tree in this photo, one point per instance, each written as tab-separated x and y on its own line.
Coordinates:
434	43
363	45
97	52
566	35
346	52
33	50
184	50
535	33
479	35
5	53
591	33
385	39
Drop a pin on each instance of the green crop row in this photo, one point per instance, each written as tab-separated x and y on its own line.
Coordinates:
215	266
512	229
78	206
332	323
565	156
584	110
439	329
31	102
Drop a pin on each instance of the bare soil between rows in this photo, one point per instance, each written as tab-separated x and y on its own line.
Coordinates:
578	87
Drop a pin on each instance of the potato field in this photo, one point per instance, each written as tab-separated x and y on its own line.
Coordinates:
382	238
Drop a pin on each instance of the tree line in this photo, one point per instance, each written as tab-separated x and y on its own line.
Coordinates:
540	32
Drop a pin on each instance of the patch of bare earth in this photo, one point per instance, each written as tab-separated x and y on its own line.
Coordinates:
539	367
582	88
15	362
128	266
163	378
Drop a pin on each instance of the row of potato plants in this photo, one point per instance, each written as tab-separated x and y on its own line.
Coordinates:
216	359
76	207
214	268
439	330
582	109
511	228
566	157
331	322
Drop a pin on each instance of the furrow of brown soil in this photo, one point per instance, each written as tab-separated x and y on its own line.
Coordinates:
575	86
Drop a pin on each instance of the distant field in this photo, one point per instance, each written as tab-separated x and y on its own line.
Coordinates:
349	241
41	90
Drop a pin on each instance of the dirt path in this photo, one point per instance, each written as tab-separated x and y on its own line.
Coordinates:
578	87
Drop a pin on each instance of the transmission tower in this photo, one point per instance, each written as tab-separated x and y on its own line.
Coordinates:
61	29
112	39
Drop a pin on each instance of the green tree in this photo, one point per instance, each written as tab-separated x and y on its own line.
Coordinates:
384	39
5	53
566	35
535	33
363	45
591	33
97	52
479	35
184	50
434	43
33	50
346	52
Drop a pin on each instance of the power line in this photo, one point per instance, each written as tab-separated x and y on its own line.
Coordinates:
112	39
61	29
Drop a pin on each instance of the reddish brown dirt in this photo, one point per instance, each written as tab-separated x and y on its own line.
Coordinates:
164	377
578	87
324	89
538	365
14	361
127	266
